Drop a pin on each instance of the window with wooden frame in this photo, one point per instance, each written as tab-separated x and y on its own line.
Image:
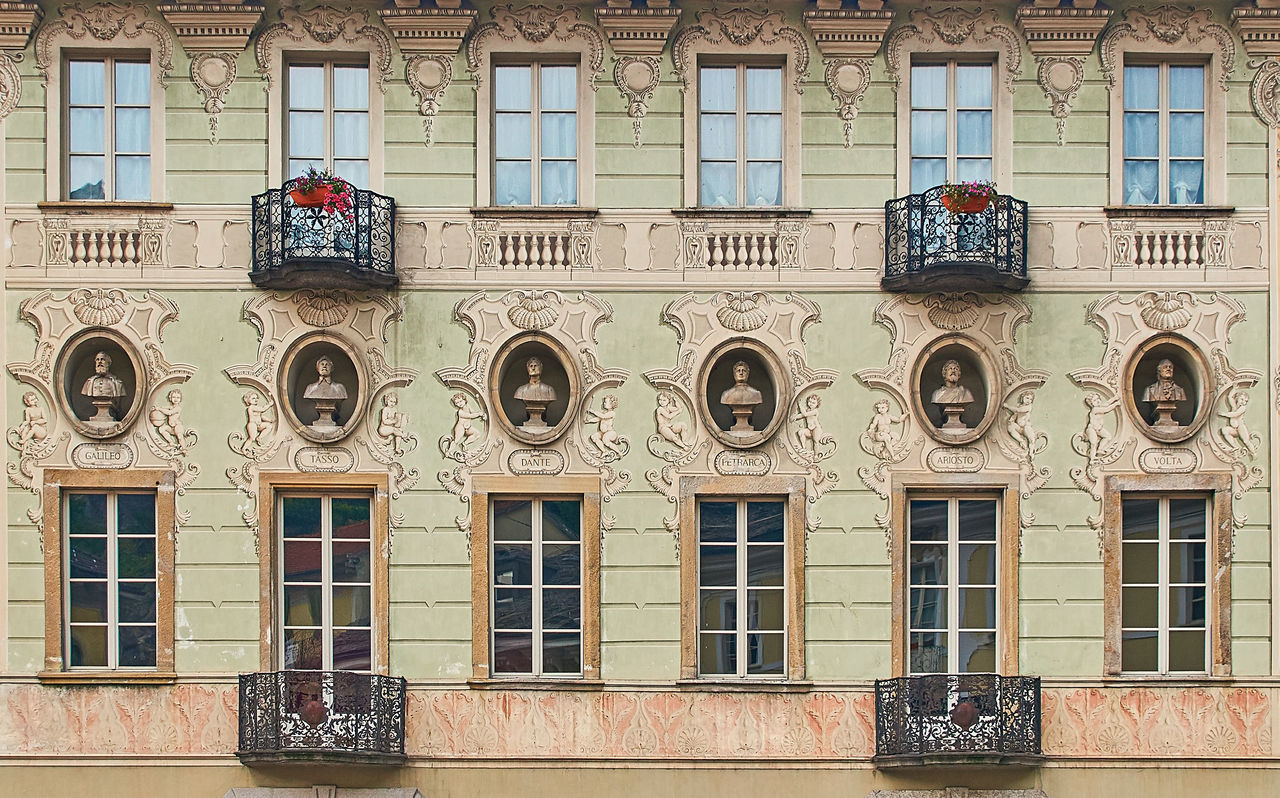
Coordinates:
108	127
742	578
1167	574
740	135
327	119
535	133
109	586
323	571
952	123
1164	133
536	582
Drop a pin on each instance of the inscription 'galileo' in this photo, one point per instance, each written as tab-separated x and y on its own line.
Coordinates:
529	462
315	458
732	463
956	460
102	455
1168	461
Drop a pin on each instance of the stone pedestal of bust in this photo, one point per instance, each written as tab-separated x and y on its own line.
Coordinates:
536	395
741	399
1164	394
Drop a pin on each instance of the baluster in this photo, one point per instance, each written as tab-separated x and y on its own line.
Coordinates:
130	249
102	257
739	250
559	257
546	249
766	255
117	248
522	250
1193	253
1168	248
78	258
717	251
753	256
1181	253
1144	249
509	250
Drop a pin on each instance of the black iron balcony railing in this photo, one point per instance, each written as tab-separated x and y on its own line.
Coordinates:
930	248
296	246
958	718
310	716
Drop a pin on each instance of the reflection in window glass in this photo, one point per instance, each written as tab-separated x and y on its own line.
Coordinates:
108	129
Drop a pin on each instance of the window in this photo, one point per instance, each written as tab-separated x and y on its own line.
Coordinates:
740	135
536	592
741	588
535	134
110	540
1164	584
952	123
1164	134
108	133
327	582
954	561
328	119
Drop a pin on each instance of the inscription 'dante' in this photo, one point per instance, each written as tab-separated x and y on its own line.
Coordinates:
529	462
734	463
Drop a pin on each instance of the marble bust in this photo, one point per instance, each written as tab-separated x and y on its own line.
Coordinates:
325	393
535	394
741	398
104	390
951	396
1164	393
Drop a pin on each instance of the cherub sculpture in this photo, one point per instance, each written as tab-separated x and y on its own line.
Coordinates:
605	439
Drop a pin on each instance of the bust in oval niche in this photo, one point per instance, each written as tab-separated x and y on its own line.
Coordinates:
324	391
1167	383
535	392
742	394
952	392
100	385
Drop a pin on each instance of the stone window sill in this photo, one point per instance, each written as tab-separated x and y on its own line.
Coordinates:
744	685
1166	211
106	677
527	683
534	211
97	206
754	212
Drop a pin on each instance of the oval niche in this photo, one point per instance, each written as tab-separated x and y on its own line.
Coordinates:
534	385
323	388
954	391
103	383
743	408
1167	385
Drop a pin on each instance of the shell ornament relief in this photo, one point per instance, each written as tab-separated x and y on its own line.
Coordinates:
1113	440
706	330
375	434
68	330
475	443
986	325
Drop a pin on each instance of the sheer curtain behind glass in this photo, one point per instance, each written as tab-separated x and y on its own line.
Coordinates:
535	160
1163	134
108	129
328	120
951	124
740	136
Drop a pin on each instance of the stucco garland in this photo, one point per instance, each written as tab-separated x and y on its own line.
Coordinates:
742	27
104	22
321	26
953	27
1167	27
535	24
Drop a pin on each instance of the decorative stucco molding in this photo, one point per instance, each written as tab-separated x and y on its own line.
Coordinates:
739	28
953	27
638	36
134	323
17	21
103	22
358	324
213	34
1129	324
957	792
1259	30
321	26
565	327
985	325
428	38
1166	28
1061	38
793	443
848	40
535	24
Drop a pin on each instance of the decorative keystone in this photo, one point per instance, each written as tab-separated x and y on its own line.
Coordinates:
428	39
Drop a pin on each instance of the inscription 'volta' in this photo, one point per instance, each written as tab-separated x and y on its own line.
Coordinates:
1168	461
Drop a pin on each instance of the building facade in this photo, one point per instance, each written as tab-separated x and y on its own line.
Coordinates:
651	405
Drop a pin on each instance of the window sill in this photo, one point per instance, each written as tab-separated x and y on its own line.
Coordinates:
106	677
85	206
534	211
744	685
532	683
745	212
1167	211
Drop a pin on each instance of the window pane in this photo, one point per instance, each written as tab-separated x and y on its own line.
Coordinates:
1186	135
136	514
718	136
512	564
973	132
88	646
977	520
977	608
561	608
512	88
352	650
717	566
561	564
303	649
929	652
1140	564
350	518
137	602
977	652
1139	607
351	562
970	169
927	173
559	183
559	88
559	135
306	134
765	521
1187	563
88	558
1141	135
765	610
1186	607
765	653
513	519
717	654
718	522
87	80
513	183
928	520
88	602
1141	87
301	516
929	86
302	605
719	184
512	135
512	608
133	83
561	653
1187	519
354	172
306	87
928	608
87	513
561	520
718	89
1186	87
1186	182
351	606
351	135
302	561
298	166
764	565
718	610
1138	651
764	89
1140	182
973	85
764	136
928	132
133	133
133	177
764	183
87	133
977	564
351	87
512	652
1187	651
928	564
1140	518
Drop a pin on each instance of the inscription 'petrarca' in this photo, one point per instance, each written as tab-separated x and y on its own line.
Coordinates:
739	463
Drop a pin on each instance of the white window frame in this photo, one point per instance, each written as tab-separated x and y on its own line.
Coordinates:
113	623
110	149
1163	158
953	110
740	115
537	665
953	586
536	110
1163	585
328	64
326	576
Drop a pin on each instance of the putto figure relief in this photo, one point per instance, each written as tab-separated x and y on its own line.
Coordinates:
535	394
810	434
665	419
605	439
257	429
741	398
884	442
464	432
167	421
392	422
951	396
1096	434
34	427
1020	430
1164	393
1235	434
325	393
104	390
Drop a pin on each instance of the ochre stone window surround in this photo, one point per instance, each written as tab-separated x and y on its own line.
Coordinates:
483	490
271	484
58	482
134	38
791	490
1217	486
909	485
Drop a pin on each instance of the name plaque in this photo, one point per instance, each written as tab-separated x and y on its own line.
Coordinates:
738	463
316	458
956	459
102	455
1168	461
535	462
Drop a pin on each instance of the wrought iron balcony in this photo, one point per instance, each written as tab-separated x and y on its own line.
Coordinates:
971	718
298	247
930	248
321	716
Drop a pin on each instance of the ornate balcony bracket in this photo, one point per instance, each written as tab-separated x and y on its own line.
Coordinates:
1259	30
638	36
848	40
214	35
1061	38
428	39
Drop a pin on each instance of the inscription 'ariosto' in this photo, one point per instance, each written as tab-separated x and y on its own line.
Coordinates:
956	459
